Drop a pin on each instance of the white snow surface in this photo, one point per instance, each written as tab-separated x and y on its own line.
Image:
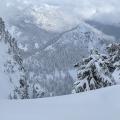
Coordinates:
103	104
6	85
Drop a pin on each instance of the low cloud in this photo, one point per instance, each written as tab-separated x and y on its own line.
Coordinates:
104	11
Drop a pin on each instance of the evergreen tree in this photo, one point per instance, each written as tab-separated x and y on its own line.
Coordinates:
114	57
38	91
12	66
93	73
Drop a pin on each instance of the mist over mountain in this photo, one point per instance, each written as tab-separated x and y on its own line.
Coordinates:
111	30
53	36
59	59
16	84
102	11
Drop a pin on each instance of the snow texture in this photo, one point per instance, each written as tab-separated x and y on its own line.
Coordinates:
103	104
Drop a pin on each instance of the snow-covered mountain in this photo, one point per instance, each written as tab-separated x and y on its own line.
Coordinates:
11	68
53	64
51	42
42	42
112	30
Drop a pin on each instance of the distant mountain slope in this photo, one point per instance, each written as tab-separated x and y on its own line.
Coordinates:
53	65
51	42
112	30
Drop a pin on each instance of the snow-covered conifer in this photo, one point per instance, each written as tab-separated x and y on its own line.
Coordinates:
12	71
93	73
114	58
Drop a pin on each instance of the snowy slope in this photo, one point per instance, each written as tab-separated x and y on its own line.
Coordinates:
103	104
54	62
5	85
51	41
11	68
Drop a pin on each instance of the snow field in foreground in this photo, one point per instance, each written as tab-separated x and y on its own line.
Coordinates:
103	104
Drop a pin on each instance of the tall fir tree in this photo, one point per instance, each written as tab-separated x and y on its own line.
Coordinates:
93	73
114	57
12	65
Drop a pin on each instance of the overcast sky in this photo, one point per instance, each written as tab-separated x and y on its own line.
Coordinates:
105	11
